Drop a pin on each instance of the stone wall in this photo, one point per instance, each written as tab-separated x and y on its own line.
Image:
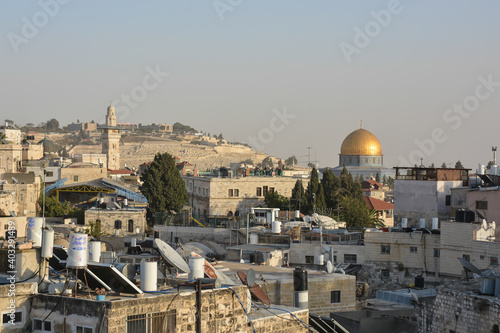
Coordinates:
320	288
221	236
461	311
108	218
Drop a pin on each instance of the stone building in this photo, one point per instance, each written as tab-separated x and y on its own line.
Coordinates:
113	221
111	140
12	134
460	308
174	311
24	189
11	157
425	193
231	196
32	152
394	259
361	154
82	172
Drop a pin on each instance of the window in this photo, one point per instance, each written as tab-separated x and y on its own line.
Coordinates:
385	249
118	224
259	192
335	296
481	204
494	260
350	258
49	174
9	318
42	326
271	190
231	193
152	322
21	197
130	225
84	329
481	257
437	253
448	200
384	274
5	227
309	259
466	257
236	193
413	249
75	178
264	190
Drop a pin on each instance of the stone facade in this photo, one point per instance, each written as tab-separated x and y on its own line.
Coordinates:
25	192
32	152
77	173
342	253
130	219
20	224
320	293
460	311
11	157
221	311
225	196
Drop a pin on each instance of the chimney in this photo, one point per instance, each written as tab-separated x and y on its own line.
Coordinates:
195	173
184	170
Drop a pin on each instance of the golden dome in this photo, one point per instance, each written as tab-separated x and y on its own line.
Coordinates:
361	142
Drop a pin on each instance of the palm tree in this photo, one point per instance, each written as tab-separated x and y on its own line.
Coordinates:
375	220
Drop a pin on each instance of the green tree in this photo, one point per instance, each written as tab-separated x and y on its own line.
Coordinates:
331	189
375	220
377	177
163	186
311	165
298	198
459	165
54	208
52	125
443	165
267	162
276	200
315	194
247	161
292	160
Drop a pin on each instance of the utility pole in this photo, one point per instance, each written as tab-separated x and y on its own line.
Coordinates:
309	154
494	150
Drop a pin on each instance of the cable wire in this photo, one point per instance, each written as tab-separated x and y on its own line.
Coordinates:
239	299
308	327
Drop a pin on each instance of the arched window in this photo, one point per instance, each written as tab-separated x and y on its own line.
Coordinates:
118	224
130	225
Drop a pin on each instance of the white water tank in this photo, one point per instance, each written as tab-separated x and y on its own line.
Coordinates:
480	170
422	223
133	242
125	202
78	251
35	225
297	214
276	227
149	275
47	243
321	259
95	251
196	264
404	222
435	223
254	239
493	170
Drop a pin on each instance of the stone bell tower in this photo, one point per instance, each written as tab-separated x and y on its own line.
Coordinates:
111	140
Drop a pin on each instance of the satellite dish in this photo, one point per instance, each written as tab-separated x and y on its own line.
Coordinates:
251	277
170	256
469	266
329	267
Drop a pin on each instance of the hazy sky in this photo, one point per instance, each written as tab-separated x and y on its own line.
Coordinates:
399	66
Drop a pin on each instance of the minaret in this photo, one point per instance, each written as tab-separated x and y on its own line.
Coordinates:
111	140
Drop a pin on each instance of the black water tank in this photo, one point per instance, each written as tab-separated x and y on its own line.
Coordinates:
470	216
157	234
460	215
299	279
419	281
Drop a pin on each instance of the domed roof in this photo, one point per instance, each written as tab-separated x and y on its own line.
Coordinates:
111	108
48	146
361	142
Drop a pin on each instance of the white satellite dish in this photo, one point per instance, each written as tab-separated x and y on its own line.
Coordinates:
329	267
250	277
170	256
